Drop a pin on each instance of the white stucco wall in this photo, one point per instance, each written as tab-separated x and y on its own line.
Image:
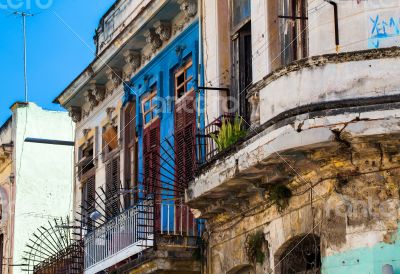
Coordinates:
330	82
43	172
358	24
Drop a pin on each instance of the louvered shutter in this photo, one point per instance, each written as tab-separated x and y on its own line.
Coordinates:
185	129
151	151
88	201
151	165
185	157
112	187
146	160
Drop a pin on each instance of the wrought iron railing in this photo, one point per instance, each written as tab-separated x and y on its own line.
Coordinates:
136	229
206	146
68	261
133	227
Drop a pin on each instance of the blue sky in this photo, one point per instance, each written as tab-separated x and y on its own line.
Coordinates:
55	55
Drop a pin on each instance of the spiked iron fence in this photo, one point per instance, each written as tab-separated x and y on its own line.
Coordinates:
52	249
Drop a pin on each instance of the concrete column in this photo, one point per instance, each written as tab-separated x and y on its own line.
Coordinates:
259	38
216	48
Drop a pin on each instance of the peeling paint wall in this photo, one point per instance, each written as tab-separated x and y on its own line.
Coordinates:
43	173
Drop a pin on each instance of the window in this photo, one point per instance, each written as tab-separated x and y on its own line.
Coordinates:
86	154
110	138
149	108
241	12
183	77
293	30
242	72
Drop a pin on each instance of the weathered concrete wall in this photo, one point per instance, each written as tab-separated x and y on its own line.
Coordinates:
352	164
94	124
117	18
327	79
43	183
216	55
355	216
362	25
330	121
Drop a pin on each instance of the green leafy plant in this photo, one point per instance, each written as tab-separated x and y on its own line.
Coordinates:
254	247
280	195
229	134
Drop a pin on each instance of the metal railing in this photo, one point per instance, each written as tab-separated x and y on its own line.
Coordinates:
206	146
136	229
133	227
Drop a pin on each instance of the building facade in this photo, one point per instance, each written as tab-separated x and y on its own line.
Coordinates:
35	177
312	185
134	148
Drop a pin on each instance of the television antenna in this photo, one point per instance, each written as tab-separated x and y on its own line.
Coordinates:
23	16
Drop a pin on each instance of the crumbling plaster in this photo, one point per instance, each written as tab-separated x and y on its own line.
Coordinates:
341	214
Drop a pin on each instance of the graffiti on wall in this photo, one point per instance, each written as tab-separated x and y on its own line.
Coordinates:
384	31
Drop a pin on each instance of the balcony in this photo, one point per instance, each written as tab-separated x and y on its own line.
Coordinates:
139	229
307	116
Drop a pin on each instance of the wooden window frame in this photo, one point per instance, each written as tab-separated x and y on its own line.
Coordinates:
149	98
107	154
183	70
236	26
298	45
85	161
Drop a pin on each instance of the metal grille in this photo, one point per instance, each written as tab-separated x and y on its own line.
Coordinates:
52	250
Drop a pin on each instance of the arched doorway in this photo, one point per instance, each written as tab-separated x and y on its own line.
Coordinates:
300	255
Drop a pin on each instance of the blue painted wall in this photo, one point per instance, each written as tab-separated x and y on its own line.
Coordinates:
159	73
365	260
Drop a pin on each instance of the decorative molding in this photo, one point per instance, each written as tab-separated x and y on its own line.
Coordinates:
110	112
114	79
153	39
90	98
99	91
189	8
255	109
133	60
85	132
163	29
75	113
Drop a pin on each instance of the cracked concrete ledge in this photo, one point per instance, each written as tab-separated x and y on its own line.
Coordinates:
262	148
320	60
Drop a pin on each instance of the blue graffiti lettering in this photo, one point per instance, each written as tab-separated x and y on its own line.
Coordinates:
383	28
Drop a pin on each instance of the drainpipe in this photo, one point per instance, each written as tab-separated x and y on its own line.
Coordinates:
335	10
202	96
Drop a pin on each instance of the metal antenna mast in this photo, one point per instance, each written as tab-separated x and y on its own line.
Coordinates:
24	15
